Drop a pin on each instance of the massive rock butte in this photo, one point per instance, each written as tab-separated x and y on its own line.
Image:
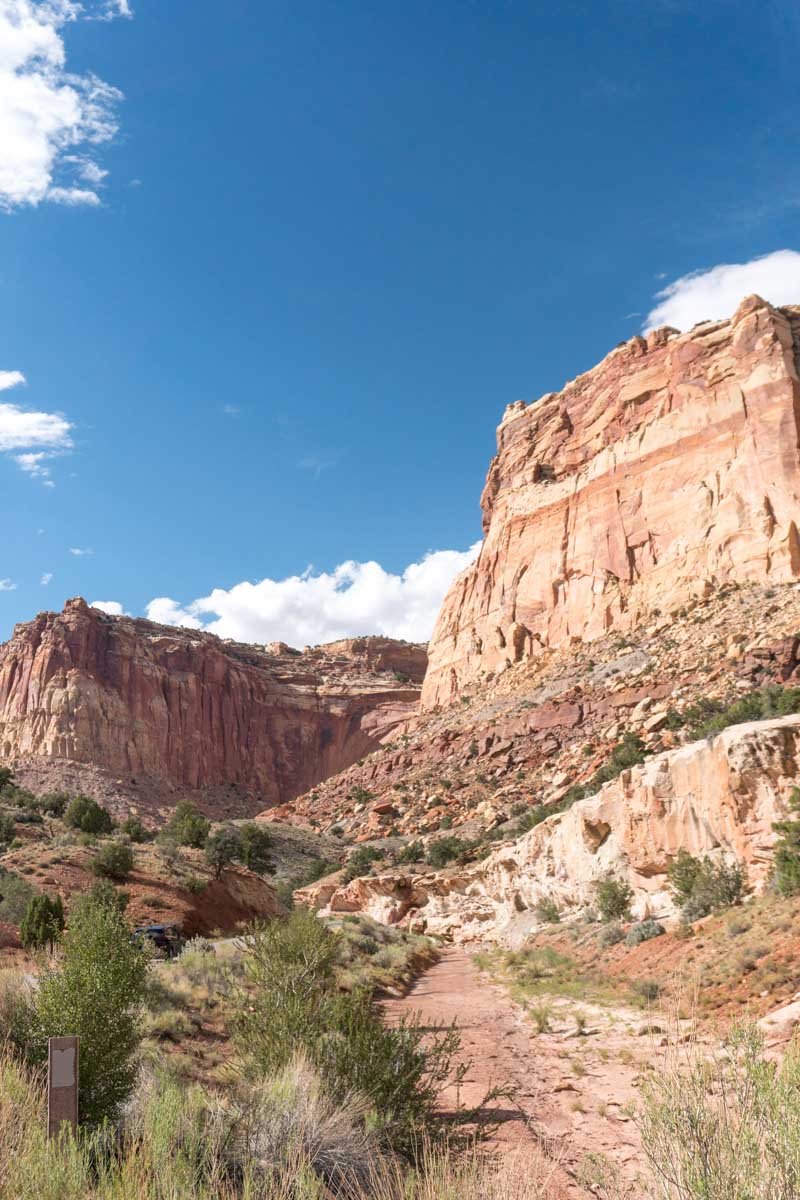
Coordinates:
85	697
669	469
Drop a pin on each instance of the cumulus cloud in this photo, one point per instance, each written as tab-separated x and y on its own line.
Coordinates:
112	607
7	585
51	119
353	599
714	294
31	437
9	379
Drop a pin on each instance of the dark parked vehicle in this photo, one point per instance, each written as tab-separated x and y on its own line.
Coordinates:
166	940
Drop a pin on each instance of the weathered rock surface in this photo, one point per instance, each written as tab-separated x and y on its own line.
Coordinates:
668	469
717	796
155	705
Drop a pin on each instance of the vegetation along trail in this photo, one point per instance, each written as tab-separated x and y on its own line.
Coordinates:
566	1087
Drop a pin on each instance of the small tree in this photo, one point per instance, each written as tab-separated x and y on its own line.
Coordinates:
188	825
360	862
444	850
6	830
256	845
787	849
87	815
54	803
222	848
6	777
43	922
114	860
96	993
613	898
103	891
134	829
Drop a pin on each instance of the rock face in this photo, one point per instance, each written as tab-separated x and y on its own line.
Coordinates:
717	797
670	468
184	710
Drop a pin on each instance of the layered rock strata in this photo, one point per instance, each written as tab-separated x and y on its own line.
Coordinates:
669	469
156	705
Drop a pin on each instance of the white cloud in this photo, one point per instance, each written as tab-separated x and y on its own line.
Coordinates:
353	599
48	112
34	436
716	293
46	578
7	585
78	552
9	379
112	607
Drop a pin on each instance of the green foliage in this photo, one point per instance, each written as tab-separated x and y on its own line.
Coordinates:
708	717
88	816
188	826
787	850
255	847
643	932
412	852
6	830
6	777
360	795
15	893
222	848
54	804
547	910
96	994
114	860
444	850
360	862
701	886
293	1006
628	753
103	891
613	898
133	828
612	935
43	922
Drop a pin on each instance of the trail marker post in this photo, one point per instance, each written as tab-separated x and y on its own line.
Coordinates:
62	1084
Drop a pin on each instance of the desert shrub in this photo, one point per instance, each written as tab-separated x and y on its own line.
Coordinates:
629	752
15	893
188	825
43	922
6	830
412	852
444	850
360	795
133	828
643	932
647	989
316	869
701	886
169	848
88	816
360	862
724	1126
114	860
54	804
195	884
222	848
293	1006
613	898
96	992
612	935
6	778
530	818
786	864
103	891
255	847
547	910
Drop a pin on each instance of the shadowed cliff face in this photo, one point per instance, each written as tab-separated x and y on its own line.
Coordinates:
182	708
670	468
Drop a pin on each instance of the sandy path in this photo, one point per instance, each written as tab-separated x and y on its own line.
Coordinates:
570	1092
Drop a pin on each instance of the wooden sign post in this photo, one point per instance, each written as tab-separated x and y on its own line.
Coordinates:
62	1084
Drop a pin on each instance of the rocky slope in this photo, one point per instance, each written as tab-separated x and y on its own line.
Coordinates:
669	469
129	710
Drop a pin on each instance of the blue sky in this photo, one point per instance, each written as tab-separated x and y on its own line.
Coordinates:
333	242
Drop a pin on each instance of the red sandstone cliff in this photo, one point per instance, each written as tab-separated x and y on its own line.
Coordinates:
166	708
669	468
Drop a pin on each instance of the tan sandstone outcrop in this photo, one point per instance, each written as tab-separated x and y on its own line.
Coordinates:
668	469
717	796
182	708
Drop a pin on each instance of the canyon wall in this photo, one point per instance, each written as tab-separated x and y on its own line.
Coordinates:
182	709
717	796
670	468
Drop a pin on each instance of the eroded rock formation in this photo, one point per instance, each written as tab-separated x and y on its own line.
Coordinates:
155	705
718	796
668	469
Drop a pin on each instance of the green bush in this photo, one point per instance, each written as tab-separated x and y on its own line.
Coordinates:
88	816
643	932
255	847
628	753
54	804
96	993
701	886
613	898
133	828
360	862
412	852
293	1005
43	922
15	893
444	850
786	864
6	830
188	826
547	910
222	848
103	891
612	935
114	860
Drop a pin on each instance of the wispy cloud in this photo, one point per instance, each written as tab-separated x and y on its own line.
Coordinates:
46	578
355	598
231	410
31	437
79	552
7	585
317	463
715	292
51	119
